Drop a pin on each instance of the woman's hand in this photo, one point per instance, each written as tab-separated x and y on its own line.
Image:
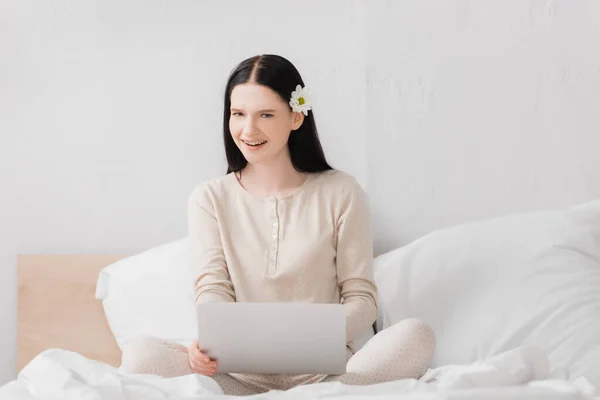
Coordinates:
199	362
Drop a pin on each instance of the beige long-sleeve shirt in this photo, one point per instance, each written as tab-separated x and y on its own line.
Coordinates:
314	245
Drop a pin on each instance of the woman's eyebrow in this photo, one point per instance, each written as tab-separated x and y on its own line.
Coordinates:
259	111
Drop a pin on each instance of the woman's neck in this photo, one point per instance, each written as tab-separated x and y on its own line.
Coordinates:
276	178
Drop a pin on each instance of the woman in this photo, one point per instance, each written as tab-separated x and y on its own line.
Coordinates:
283	226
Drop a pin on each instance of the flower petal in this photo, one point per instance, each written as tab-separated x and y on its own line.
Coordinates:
298	96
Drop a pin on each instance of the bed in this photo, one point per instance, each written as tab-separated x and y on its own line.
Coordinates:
542	341
57	307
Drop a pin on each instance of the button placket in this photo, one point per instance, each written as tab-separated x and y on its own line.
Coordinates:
274	238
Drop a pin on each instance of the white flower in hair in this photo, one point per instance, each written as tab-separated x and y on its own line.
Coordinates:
300	101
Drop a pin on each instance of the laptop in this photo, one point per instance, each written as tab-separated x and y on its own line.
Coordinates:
273	338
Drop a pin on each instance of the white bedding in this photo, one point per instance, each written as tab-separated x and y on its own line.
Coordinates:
522	373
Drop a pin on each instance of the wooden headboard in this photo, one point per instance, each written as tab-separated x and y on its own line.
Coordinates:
57	307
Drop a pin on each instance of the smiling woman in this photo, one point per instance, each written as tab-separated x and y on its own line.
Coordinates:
261	120
262	108
289	229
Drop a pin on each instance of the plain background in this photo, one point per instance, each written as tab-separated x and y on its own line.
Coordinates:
445	111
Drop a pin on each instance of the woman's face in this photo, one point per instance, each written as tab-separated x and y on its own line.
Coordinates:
261	122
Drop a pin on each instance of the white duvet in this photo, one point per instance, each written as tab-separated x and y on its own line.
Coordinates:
522	373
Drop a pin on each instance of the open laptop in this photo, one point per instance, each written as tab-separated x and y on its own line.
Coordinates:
273	338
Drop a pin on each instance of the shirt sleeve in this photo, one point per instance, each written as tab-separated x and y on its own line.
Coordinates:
211	277
354	262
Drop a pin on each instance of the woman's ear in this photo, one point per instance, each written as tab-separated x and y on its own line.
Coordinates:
298	119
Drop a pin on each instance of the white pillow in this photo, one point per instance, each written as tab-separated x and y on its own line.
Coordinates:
489	286
150	293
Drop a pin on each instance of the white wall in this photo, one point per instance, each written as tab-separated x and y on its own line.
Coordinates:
445	111
479	108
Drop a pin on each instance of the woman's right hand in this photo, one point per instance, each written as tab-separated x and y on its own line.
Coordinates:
199	362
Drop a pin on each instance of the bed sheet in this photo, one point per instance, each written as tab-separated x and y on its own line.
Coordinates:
522	373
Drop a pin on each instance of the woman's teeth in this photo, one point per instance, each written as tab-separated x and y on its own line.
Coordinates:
255	143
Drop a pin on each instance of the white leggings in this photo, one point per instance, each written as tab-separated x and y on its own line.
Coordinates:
402	351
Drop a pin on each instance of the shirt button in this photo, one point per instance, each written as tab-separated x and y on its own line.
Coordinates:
275	223
274	236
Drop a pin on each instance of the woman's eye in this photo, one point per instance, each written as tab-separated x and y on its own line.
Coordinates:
266	115
237	114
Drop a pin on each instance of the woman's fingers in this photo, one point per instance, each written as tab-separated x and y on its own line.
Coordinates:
196	353
203	370
202	363
199	362
200	371
201	359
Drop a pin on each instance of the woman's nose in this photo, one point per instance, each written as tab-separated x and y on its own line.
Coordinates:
249	126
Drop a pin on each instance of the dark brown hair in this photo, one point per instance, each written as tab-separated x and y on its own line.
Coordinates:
282	77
